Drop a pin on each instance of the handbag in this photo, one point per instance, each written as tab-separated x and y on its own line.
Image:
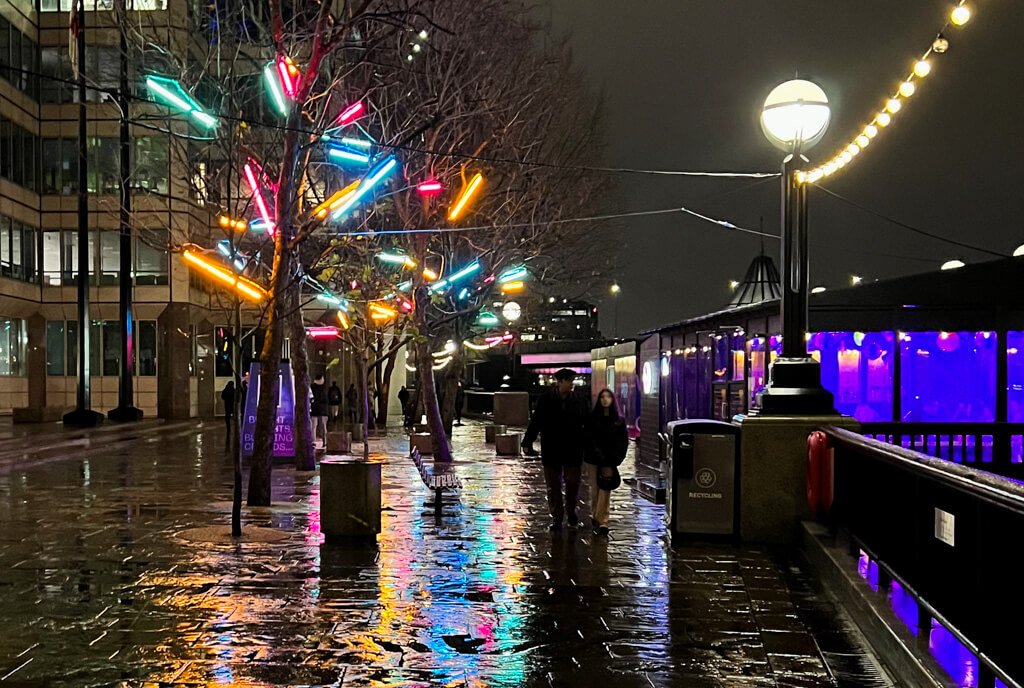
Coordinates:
609	482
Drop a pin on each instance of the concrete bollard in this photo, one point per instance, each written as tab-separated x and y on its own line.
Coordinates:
339	442
507	444
357	431
350	502
512	409
492	431
423	441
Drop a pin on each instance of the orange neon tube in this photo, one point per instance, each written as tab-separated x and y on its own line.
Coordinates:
244	286
467	194
336	199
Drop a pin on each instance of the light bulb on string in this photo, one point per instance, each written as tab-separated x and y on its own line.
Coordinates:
870	131
883	119
893	105
922	68
940	44
862	141
853	148
907	89
960	15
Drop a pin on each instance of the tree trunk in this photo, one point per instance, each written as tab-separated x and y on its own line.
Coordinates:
387	369
305	457
277	297
442	452
452	376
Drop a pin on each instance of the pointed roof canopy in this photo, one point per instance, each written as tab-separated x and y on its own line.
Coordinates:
761	283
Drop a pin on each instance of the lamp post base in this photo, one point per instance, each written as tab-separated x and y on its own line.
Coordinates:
795	390
83	418
124	414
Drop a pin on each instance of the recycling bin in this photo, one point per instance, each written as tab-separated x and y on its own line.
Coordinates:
702	498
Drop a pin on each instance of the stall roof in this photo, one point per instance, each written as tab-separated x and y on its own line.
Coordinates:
984	295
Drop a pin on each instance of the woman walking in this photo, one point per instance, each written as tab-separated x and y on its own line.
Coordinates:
607	441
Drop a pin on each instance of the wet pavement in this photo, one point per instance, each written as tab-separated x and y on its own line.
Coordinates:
99	588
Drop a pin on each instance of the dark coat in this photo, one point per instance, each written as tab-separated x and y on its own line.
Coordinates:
334	395
559	422
318	407
607	440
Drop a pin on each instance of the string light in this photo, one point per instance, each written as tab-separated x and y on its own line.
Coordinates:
232	223
920	69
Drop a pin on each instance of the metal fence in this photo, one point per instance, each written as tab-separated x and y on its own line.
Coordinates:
949	534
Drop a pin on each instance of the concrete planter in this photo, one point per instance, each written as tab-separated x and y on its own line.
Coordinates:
492	431
339	442
507	444
423	441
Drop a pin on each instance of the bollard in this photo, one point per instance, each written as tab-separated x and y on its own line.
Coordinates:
423	441
339	442
492	431
507	444
357	431
350	499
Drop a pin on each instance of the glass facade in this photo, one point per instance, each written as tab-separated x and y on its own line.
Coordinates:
60	257
17	250
948	376
857	368
18	59
104	347
90	5
19	154
102	69
12	347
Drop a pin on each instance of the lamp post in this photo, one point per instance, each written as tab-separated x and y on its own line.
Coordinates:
615	294
794	118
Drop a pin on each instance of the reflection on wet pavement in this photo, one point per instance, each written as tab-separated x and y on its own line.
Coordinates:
99	591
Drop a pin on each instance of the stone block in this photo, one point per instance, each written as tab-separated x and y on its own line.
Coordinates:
339	442
773	474
356	429
350	498
492	431
423	441
507	444
512	409
43	414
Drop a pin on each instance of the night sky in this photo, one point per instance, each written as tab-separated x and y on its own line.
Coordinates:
684	82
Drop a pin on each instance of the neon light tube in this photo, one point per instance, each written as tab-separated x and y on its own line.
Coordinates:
478	347
513	286
464	293
224	247
438	286
469	192
350	114
343	319
464	272
175	95
364	188
250	289
430	188
230	223
487	318
396	258
351	156
429	274
321	332
405	286
240	264
358	143
327	298
274	85
261	205
406	306
288	71
512	275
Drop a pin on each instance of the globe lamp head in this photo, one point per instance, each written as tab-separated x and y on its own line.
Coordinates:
795	115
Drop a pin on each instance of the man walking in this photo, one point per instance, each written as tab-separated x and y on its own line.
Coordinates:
403	398
334	400
351	399
559	419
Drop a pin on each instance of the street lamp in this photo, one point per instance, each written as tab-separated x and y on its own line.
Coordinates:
794	118
615	293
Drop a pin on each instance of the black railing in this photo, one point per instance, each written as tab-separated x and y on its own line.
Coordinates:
993	447
949	534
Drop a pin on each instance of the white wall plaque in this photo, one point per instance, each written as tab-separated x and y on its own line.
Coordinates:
945	526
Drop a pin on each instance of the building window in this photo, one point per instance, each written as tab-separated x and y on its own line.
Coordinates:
948	377
18	59
19	154
12	347
104	171
51	258
69	268
145	336
102	71
150	164
55	347
110	258
151	257
17	250
60	166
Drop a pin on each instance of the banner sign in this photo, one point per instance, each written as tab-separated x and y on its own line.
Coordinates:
284	419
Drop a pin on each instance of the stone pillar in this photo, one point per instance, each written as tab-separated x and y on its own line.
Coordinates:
35	361
773	474
175	355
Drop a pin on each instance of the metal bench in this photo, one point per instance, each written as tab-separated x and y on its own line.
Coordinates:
436	477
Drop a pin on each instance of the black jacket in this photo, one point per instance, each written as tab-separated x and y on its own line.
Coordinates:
319	405
334	395
560	425
607	440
